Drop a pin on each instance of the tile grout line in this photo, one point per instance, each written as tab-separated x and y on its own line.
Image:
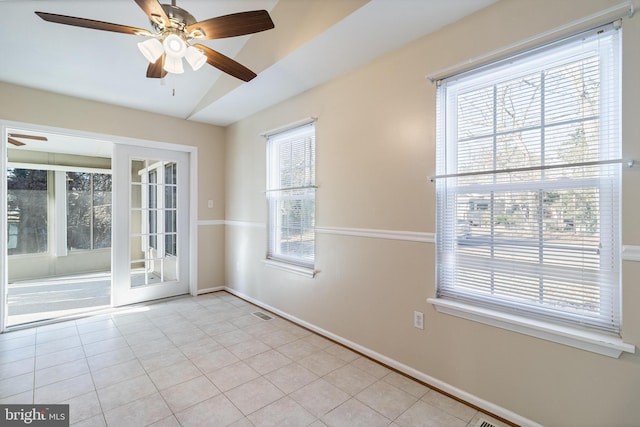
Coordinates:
242	310
182	352
146	373
35	358
95	389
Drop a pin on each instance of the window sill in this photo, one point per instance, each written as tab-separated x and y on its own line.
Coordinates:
27	256
303	271
86	251
589	341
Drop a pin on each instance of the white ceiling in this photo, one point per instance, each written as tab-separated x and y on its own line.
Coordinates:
108	67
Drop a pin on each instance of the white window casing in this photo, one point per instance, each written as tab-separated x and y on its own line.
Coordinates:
290	196
528	188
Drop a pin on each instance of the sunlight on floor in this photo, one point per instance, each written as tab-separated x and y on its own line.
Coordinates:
58	297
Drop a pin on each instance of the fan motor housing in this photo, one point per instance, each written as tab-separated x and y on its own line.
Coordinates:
179	18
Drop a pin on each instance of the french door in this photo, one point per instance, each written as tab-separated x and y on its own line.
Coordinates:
150	224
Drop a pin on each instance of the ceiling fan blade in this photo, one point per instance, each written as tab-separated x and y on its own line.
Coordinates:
236	24
155	70
94	25
18	135
226	64
154	10
15	142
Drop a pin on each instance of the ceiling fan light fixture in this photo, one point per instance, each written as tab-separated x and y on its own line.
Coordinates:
173	65
174	46
195	57
151	49
174	30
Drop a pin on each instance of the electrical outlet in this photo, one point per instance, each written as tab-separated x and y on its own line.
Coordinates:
209	204
418	319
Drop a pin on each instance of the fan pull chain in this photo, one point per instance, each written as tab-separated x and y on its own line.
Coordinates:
169	77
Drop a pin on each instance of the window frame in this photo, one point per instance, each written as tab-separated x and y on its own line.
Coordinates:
546	327
302	191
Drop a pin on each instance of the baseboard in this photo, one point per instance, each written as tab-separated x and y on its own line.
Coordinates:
420	376
209	290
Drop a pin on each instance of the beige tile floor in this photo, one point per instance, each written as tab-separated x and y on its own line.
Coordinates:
208	361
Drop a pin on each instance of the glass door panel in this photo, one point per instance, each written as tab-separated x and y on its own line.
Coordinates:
157	219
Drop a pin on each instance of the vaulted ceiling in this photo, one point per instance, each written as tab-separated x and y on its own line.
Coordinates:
313	42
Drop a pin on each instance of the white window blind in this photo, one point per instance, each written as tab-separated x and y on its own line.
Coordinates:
528	186
290	193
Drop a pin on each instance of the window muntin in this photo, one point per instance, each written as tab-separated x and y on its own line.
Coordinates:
291	196
170	209
542	241
160	188
152	176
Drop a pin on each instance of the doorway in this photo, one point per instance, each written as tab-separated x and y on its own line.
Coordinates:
58	215
67	251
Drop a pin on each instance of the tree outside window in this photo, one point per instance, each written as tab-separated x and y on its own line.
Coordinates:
88	211
528	193
27	210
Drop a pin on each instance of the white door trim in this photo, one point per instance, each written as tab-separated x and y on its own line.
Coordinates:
193	199
6	125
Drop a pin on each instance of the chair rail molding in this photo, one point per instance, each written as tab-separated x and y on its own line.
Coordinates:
411	236
203	222
631	253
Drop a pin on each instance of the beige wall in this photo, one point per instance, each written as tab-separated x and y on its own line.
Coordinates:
375	149
48	109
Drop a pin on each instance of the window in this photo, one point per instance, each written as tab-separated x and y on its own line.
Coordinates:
291	195
27	211
32	206
528	185
88	210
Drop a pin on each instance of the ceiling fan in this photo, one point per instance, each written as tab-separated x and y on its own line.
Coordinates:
174	29
11	139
